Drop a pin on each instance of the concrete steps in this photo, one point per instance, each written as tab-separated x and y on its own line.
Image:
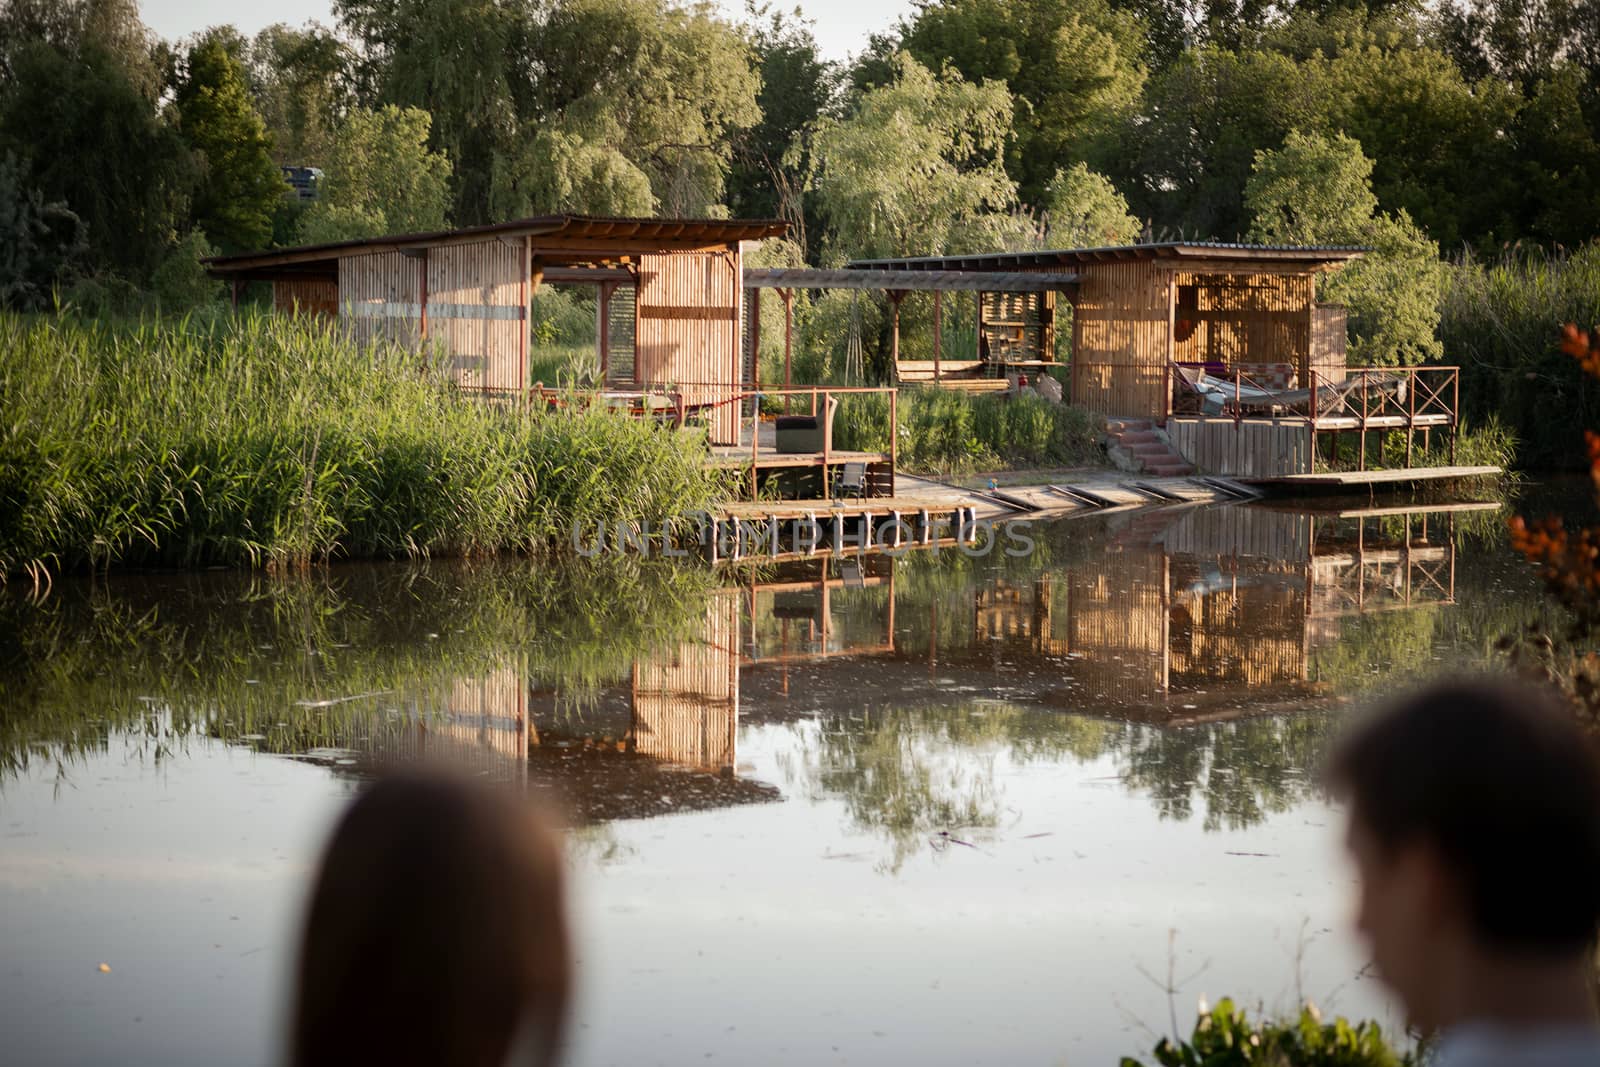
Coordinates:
1146	447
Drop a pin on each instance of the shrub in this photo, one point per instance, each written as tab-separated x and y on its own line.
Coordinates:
948	430
1226	1037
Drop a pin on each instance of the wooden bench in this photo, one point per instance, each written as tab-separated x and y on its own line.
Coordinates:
921	370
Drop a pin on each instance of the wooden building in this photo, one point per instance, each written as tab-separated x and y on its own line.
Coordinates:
1137	310
669	288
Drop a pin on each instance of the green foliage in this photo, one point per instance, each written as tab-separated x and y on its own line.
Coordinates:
1500	321
1226	1036
302	80
39	242
1316	190
1075	68
79	102
264	440
948	430
617	87
767	180
181	283
380	179
240	185
918	168
73	665
1083	209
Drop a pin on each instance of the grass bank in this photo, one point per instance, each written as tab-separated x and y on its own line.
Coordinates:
948	431
264	441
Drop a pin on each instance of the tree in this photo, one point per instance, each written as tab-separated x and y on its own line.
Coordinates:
380	179
1317	190
1185	163
241	186
663	85
1075	68
1084	210
466	63
797	87
40	242
918	168
79	100
304	83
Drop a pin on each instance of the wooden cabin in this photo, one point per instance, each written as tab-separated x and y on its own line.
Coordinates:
668	304
1137	310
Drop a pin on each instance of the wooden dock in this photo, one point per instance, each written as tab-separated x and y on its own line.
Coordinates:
1325	481
804	529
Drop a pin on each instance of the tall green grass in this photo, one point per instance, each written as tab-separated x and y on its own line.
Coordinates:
949	431
1501	322
268	441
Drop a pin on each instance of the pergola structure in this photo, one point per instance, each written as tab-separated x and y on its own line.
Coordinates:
896	283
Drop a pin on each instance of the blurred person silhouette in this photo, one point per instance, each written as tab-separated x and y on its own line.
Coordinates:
436	932
1474	824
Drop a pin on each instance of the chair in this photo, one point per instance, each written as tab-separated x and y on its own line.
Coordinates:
852	479
806	433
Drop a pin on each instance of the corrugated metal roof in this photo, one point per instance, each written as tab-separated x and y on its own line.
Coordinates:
643	234
1159	249
920	280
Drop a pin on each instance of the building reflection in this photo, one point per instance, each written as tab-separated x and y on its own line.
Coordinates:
1198	615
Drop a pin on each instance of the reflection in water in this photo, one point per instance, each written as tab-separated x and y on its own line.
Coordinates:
1175	640
822	742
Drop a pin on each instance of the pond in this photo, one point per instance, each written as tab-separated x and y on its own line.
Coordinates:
933	809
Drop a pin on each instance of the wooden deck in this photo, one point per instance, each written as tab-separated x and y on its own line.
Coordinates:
1361	479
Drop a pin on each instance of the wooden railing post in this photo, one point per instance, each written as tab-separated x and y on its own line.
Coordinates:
894	434
1361	457
1411	416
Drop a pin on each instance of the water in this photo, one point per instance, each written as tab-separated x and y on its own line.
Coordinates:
933	810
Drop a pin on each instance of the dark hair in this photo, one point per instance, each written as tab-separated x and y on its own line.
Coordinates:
1497	776
436	932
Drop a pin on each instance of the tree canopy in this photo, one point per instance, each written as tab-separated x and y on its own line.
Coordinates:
917	168
380	178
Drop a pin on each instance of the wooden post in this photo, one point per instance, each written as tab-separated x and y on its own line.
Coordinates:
977	322
754	296
422	289
938	332
787	296
894	436
237	285
895	297
603	328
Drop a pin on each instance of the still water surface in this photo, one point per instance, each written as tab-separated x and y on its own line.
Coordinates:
932	810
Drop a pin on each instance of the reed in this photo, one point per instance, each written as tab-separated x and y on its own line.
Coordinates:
271	442
949	431
1501	321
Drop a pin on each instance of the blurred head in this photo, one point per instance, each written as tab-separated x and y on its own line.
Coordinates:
1474	823
436	933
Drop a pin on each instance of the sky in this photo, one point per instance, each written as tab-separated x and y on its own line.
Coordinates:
842	26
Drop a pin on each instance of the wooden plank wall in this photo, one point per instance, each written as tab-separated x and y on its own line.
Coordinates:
1245	318
1260	448
686	331
1329	336
306	296
1017	326
1116	619
477	312
1234	532
380	296
686	702
1119	339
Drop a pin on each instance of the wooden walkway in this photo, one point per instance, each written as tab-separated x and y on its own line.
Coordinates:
1361	479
